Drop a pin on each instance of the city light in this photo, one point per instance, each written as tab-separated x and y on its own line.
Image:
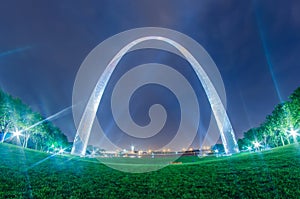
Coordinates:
132	148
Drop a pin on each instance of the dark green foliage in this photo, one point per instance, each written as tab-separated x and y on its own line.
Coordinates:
274	131
269	174
219	148
15	115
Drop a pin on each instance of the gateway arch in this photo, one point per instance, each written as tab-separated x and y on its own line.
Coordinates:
217	107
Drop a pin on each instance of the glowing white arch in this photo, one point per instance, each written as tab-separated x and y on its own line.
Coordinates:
89	114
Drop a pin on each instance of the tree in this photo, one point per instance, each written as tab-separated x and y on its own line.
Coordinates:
242	144
274	131
5	115
218	148
35	131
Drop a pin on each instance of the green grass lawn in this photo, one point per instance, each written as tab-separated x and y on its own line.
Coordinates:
269	174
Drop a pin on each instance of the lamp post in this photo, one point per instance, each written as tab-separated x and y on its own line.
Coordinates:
294	133
256	145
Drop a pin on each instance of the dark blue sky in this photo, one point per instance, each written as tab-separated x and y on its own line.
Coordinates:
255	44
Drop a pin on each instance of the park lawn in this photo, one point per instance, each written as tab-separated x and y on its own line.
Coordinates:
270	174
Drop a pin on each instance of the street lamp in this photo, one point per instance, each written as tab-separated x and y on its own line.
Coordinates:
256	144
17	133
294	133
61	151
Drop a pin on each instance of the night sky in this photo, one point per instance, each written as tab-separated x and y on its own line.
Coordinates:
255	44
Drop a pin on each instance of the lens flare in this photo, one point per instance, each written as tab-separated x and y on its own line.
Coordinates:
17	50
17	134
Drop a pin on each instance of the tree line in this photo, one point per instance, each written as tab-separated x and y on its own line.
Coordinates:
20	125
281	127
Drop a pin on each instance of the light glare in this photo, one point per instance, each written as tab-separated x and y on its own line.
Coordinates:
17	133
294	133
256	144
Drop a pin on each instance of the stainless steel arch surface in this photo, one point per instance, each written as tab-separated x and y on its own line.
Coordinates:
89	114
